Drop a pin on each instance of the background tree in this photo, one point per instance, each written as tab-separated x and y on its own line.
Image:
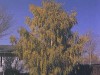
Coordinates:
94	59
50	48
89	57
5	21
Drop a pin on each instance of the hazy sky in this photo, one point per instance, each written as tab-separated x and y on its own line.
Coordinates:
88	14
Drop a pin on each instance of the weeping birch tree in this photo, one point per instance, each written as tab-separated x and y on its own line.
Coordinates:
50	48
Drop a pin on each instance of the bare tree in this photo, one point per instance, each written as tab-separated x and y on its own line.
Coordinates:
89	56
5	22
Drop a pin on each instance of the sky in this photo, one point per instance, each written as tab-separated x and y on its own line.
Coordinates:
88	15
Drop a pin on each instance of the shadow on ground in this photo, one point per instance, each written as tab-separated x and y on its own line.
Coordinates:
93	69
13	72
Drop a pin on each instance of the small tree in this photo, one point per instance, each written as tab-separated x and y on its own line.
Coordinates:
13	40
51	48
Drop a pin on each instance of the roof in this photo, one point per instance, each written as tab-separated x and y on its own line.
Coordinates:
6	50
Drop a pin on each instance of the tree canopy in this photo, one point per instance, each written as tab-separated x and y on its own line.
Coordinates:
50	48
